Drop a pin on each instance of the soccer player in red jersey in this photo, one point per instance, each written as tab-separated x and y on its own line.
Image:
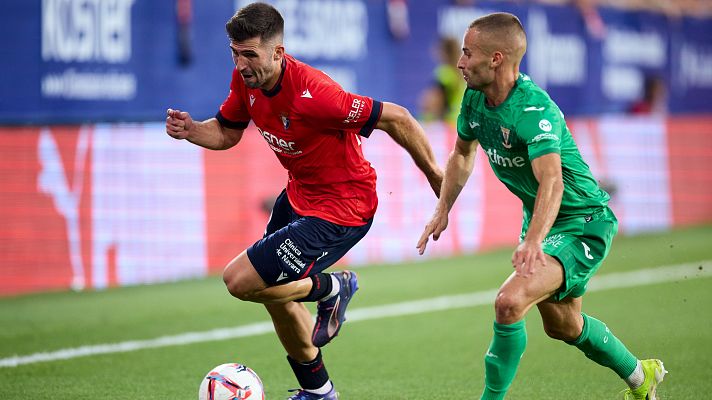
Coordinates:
314	128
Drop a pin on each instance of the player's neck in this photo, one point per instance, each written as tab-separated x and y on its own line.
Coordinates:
272	82
498	91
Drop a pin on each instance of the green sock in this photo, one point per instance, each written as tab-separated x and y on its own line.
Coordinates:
600	345
502	358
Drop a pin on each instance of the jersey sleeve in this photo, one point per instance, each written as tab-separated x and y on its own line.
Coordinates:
233	111
335	108
541	127
464	130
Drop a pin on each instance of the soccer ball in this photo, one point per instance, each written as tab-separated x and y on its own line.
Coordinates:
231	382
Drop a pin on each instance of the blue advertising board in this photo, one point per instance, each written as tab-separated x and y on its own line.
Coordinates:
70	61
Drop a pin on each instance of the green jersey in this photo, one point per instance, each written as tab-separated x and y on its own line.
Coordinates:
527	125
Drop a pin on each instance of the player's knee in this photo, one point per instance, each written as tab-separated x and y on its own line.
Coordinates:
509	307
236	286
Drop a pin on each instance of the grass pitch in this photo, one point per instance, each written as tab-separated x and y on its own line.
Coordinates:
432	355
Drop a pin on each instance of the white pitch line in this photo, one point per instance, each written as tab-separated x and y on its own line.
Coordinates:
617	280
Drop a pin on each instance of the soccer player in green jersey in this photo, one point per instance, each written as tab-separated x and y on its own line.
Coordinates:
567	228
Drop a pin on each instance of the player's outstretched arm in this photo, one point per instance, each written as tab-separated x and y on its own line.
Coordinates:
407	132
458	170
547	171
209	133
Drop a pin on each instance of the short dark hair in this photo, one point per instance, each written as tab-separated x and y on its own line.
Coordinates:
499	22
253	20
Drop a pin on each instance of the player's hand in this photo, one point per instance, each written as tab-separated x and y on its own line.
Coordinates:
436	226
178	124
527	257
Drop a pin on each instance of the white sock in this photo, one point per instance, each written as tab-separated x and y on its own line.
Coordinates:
322	390
637	377
335	287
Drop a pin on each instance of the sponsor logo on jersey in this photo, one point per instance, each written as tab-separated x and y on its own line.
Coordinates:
544	136
509	162
356	110
306	94
545	125
505	138
278	144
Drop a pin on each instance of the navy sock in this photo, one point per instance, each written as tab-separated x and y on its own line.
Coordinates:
321	286
310	375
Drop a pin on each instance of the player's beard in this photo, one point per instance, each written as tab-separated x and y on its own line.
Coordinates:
260	77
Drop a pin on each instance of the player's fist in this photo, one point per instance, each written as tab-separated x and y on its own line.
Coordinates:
178	124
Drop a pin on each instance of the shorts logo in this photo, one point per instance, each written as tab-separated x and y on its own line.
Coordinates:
290	254
545	125
554	240
505	138
587	251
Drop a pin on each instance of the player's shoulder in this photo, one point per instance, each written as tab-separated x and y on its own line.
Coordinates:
529	94
530	100
471	99
305	74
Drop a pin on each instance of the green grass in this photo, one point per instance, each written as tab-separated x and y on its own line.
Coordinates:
435	355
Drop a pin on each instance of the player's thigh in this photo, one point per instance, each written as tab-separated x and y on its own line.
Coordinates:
580	247
523	292
302	248
240	275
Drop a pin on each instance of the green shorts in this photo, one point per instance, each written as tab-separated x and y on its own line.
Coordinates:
580	244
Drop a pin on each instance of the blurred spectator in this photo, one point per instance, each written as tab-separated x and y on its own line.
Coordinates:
441	101
654	99
398	20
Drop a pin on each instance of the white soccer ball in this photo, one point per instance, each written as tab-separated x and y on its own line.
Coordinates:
231	382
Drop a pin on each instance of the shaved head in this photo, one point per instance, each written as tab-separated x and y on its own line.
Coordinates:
501	32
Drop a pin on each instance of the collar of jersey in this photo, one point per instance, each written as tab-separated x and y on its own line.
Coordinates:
278	86
509	95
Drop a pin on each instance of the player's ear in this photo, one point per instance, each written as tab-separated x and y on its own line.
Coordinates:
497	59
278	52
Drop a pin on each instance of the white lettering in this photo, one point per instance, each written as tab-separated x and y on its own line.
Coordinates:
89	86
547	51
496	158
326	29
86	30
695	66
52	180
637	48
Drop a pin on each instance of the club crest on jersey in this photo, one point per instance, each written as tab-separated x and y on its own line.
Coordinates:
285	121
505	138
252	99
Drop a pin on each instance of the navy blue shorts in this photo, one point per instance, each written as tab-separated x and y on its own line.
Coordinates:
295	246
